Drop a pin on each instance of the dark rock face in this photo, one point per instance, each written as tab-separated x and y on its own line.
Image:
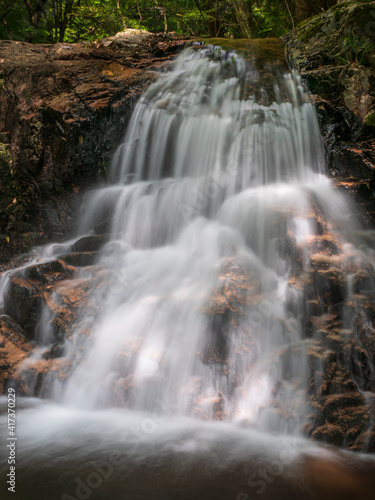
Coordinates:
14	349
26	294
335	54
63	110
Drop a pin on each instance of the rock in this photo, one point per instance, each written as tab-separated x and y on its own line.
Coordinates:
61	300
238	290
364	281
89	243
80	259
330	285
24	299
63	110
36	377
329	433
14	349
65	301
126	39
334	53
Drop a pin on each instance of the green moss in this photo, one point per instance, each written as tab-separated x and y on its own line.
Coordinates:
5	160
370	120
264	49
309	30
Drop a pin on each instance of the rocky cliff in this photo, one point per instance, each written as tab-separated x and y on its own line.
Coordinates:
335	53
63	110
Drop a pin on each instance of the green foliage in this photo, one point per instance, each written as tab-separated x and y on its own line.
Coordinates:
14	24
270	20
73	20
354	50
370	120
95	21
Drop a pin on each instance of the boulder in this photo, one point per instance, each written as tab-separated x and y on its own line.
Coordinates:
89	243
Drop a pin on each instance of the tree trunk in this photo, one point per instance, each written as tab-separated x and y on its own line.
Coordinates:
7	10
242	17
65	19
211	23
165	18
35	13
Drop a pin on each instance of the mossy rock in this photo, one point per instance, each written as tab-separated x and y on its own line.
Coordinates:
369	125
342	35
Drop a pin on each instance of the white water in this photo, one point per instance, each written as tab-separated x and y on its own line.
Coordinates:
208	177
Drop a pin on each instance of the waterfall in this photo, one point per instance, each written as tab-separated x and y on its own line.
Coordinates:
218	184
228	251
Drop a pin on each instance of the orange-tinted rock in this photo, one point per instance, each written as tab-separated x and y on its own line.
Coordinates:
63	110
14	349
65	301
34	377
24	300
237	291
330	285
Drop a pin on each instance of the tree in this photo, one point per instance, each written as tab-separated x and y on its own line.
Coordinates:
62	12
6	9
73	20
242	17
35	13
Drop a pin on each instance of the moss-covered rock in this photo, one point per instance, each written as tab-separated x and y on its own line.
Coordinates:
342	35
334	52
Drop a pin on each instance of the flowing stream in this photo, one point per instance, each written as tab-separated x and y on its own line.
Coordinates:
217	206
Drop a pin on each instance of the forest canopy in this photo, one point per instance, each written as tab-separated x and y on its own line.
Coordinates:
51	21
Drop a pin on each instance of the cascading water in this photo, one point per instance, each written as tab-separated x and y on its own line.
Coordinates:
216	214
206	164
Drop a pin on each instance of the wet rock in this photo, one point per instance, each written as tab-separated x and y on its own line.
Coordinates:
345	415
65	301
63	110
36	377
364	281
48	272
24	299
324	245
238	290
80	259
14	349
334	53
329	433
89	243
330	285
